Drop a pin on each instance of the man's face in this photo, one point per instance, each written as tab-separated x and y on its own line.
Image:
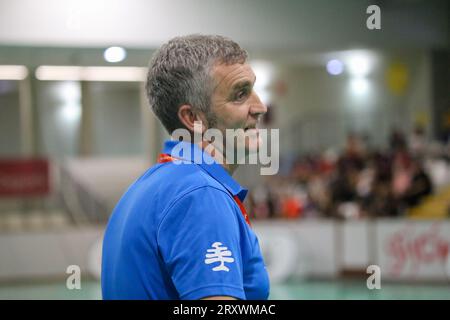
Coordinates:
235	104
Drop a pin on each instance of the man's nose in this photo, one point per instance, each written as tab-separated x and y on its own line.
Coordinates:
257	108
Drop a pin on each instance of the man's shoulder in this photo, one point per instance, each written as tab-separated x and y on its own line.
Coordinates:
188	185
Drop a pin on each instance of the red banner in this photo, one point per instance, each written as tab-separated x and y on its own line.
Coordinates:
24	177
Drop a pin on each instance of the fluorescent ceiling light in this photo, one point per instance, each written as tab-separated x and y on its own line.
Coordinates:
114	74
66	73
74	73
13	72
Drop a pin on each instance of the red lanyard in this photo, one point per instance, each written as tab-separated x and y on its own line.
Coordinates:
243	211
163	158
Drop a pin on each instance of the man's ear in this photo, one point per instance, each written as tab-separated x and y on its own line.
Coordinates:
188	118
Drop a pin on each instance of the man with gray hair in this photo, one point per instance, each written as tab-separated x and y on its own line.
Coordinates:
181	230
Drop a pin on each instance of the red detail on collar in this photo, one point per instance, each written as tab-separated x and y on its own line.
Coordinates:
243	211
163	158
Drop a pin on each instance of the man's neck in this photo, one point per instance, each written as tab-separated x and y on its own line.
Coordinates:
218	156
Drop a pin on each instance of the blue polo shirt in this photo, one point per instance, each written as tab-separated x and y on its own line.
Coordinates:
177	233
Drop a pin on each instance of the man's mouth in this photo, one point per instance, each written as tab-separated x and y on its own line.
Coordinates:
250	127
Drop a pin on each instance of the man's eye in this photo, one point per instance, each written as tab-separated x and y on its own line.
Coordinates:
242	94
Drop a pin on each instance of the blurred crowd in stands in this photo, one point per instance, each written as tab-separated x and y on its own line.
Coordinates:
360	181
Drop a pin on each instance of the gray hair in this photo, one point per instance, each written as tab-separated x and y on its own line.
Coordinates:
180	73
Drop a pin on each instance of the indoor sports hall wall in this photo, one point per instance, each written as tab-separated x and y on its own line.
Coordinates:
405	250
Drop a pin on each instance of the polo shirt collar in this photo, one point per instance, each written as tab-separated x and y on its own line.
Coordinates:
207	163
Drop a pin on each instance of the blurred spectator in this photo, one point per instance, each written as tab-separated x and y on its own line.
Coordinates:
358	182
420	185
397	140
417	141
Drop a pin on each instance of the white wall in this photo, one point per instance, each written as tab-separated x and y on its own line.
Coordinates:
46	254
413	250
404	250
282	25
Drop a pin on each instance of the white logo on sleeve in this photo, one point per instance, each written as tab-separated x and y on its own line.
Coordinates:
219	254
